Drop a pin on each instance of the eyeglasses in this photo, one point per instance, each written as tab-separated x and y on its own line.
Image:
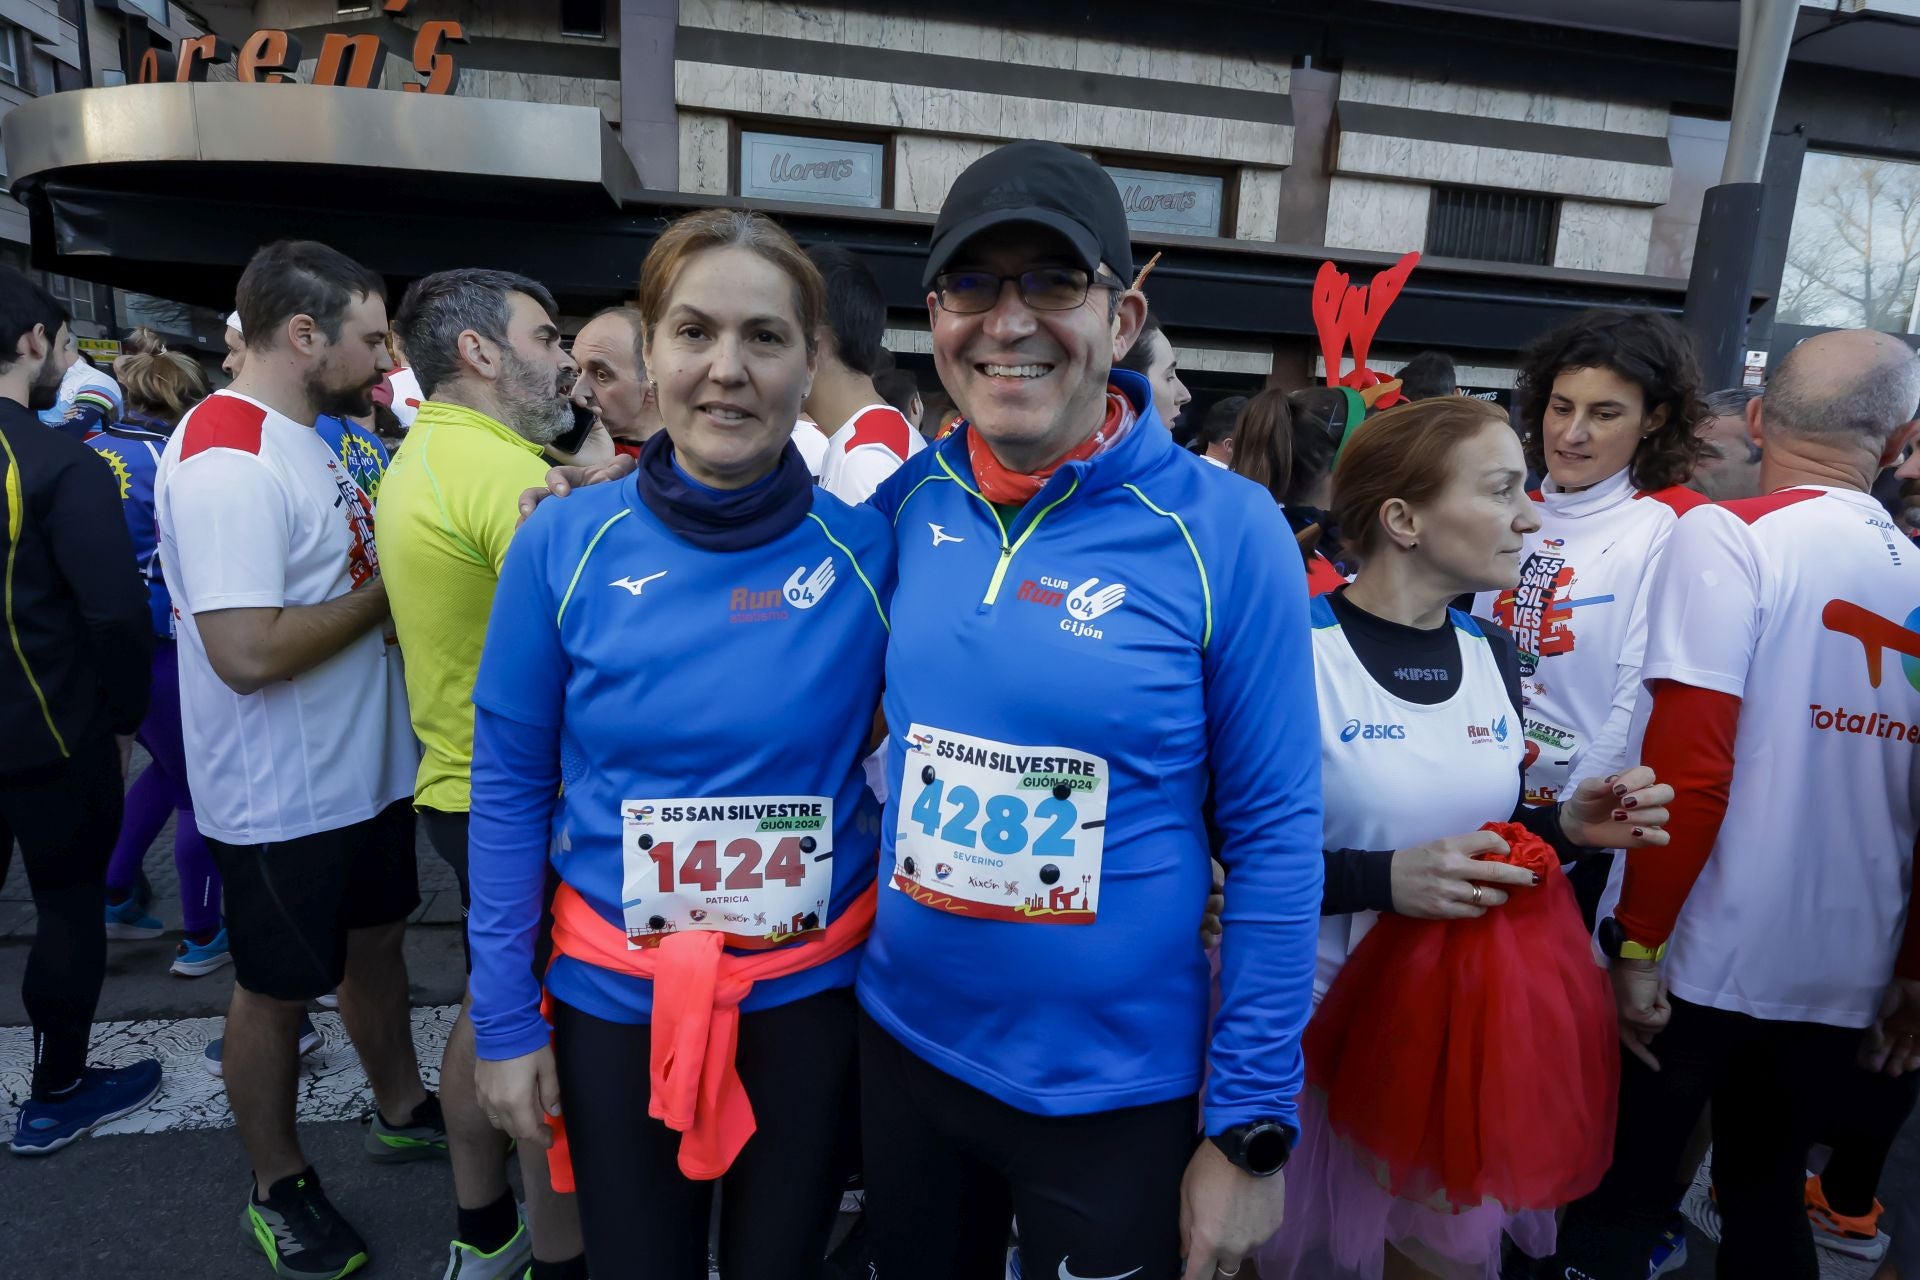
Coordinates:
967	293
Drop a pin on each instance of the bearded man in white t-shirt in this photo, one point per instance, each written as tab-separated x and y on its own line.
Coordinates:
299	748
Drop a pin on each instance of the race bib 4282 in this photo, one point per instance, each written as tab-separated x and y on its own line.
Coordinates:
997	831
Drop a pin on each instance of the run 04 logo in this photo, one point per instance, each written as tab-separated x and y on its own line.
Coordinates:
1083	604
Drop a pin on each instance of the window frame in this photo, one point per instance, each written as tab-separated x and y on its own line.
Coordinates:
14	58
739	126
574	34
1229	175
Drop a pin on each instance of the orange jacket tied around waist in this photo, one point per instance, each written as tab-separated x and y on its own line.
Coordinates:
693	1086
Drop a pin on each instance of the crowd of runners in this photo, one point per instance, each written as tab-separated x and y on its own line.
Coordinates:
1377	835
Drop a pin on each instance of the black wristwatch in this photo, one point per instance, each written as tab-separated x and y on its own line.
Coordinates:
1260	1148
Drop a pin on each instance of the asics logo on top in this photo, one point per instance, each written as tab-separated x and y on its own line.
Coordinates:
1069	1275
1876	635
1369	732
941	535
635	587
803	590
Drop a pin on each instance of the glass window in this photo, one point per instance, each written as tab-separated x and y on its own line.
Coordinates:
1853	258
777	166
1183	204
77	296
586	18
12	55
1491	226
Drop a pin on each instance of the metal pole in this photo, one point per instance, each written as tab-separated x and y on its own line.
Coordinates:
1720	287
1766	34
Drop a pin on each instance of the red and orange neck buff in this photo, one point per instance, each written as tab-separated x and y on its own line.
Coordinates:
1005	487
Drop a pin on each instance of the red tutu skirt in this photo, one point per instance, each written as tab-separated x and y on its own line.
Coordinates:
1475	1061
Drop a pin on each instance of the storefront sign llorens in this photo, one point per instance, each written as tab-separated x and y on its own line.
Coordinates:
271	56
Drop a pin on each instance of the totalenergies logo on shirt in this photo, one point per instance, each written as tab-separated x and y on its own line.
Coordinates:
1876	635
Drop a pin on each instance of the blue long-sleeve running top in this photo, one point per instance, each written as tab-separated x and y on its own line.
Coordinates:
1063	688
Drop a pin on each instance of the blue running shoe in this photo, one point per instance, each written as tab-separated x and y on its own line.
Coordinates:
197	959
129	922
1670	1254
309	1041
103	1094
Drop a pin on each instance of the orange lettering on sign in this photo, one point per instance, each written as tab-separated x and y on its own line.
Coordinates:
268	57
156	67
438	66
199	53
397	6
352	62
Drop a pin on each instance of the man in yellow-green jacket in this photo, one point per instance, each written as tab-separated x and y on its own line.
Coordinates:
486	347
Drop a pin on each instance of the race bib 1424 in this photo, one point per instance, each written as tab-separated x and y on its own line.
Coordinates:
759	868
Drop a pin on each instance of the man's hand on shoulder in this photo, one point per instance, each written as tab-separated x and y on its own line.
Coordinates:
562	481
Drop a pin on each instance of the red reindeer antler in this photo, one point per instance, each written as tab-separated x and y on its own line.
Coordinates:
1345	313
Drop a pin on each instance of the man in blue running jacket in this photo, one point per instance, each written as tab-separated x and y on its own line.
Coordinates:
1094	631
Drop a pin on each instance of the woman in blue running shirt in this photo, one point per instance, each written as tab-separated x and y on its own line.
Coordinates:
675	696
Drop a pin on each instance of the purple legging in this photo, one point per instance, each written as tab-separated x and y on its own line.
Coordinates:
156	795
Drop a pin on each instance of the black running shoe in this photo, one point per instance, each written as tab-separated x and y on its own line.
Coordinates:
300	1231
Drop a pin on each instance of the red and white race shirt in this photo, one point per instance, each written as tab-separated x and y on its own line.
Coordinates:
1803	604
1579	617
406	395
255	512
812	444
867	449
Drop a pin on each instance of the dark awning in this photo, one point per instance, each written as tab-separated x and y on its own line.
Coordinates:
168	189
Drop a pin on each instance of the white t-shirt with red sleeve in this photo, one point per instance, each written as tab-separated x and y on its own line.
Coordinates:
868	447
255	511
1803	604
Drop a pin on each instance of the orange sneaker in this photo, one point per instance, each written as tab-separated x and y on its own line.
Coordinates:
1859	1237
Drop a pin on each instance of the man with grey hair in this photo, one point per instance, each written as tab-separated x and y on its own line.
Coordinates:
1730	465
1754	953
498	388
613	377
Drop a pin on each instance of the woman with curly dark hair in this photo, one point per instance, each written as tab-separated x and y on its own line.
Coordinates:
1610	403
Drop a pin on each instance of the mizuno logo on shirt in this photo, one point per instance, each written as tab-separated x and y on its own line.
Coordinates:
635	587
941	535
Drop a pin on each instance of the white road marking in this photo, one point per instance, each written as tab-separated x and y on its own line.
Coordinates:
332	1085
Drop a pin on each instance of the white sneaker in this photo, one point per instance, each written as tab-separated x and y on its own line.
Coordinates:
1697	1205
509	1262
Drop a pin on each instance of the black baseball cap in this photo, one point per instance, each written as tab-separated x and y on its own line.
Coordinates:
1042	183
